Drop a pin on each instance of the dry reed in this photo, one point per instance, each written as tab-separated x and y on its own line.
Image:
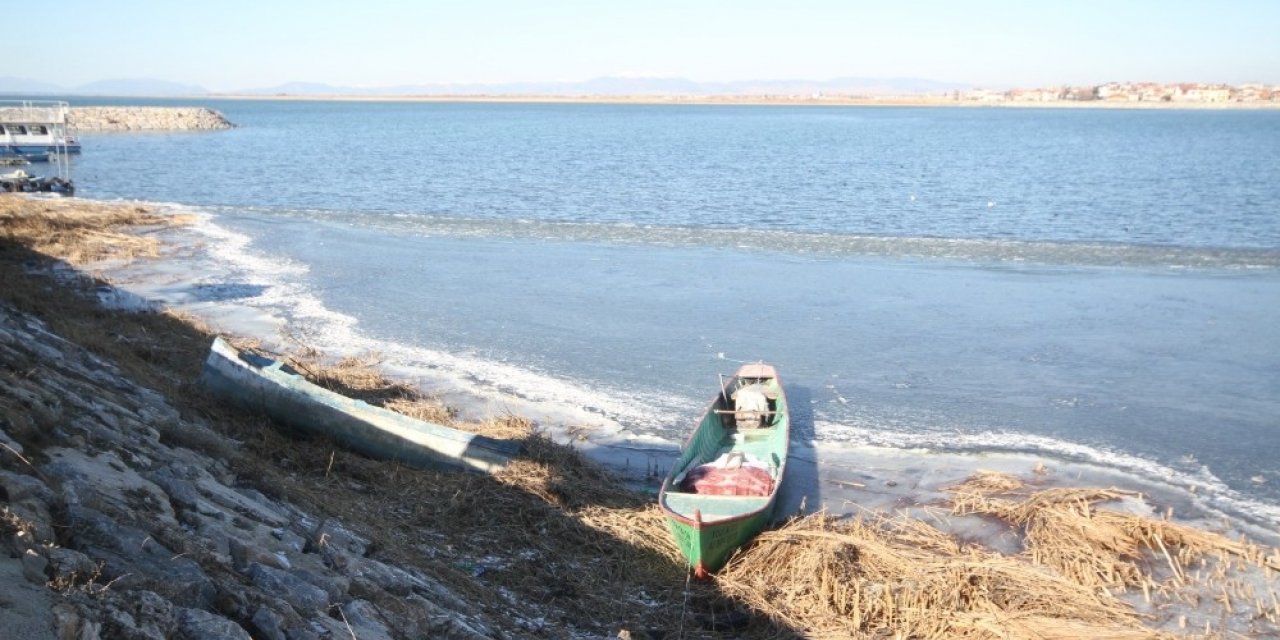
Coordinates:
1099	547
79	232
901	578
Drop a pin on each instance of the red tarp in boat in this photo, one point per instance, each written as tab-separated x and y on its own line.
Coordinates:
746	480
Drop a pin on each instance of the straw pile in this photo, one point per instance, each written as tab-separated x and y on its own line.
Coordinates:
902	578
1115	551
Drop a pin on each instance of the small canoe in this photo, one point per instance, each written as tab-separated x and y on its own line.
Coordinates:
259	383
722	489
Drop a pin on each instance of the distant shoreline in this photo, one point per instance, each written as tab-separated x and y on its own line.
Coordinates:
837	101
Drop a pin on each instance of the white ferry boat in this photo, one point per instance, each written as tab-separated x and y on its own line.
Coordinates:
35	129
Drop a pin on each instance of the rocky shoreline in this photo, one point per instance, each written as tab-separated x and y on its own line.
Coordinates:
147	119
145	539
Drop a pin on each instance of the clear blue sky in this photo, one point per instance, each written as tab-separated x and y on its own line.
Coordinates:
237	44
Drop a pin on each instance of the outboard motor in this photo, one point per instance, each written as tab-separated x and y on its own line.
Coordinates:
751	407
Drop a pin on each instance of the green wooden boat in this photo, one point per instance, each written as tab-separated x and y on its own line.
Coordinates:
722	489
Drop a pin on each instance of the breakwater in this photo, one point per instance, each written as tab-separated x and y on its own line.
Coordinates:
147	119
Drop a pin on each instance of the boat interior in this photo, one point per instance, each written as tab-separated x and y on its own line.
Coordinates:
742	432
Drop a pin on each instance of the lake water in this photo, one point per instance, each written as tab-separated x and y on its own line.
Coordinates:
1091	285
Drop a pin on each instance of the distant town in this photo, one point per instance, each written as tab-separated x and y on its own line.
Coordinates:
1128	92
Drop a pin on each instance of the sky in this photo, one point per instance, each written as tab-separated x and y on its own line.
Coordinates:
227	45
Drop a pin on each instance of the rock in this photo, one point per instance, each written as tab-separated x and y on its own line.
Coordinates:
365	620
19	487
118	623
369	576
433	621
68	566
195	624
334	536
268	624
335	587
300	594
67	621
33	567
26	609
105	483
243	554
29	500
135	560
154	614
34	514
232	603
182	494
114	614
11	446
146	119
256	506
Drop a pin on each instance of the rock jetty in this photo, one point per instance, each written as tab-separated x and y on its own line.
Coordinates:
147	119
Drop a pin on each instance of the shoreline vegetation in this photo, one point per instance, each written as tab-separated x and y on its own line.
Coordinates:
134	501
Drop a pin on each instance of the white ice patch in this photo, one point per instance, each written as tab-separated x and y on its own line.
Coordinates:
479	388
1210	492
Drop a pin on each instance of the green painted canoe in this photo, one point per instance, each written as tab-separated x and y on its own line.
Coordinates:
746	427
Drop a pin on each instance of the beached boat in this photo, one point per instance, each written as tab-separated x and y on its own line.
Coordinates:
259	383
722	489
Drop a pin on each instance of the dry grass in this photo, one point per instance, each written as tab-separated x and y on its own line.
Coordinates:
81	232
361	377
902	578
1101	548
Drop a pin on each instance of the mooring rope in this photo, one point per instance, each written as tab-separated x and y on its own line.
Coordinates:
684	607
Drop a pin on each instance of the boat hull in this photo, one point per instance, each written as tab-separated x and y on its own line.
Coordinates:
263	384
708	546
37	152
708	523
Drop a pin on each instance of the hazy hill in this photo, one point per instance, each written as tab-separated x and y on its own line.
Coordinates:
632	86
604	86
140	87
27	86
114	87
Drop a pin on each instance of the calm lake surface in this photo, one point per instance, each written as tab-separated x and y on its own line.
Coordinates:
1098	285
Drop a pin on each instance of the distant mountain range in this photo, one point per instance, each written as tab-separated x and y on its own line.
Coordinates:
117	87
607	86
627	86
